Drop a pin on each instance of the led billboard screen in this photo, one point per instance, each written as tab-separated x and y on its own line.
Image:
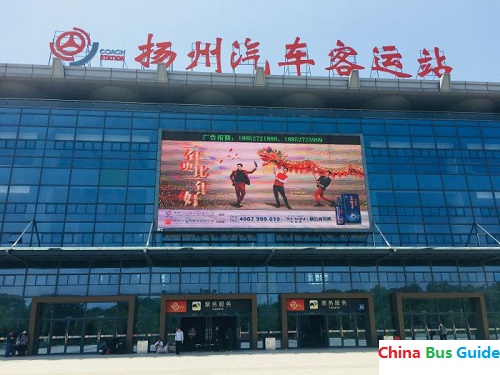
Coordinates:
234	181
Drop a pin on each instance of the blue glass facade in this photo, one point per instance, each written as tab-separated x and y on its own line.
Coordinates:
88	173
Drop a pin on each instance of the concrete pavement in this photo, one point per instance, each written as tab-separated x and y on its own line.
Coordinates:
353	361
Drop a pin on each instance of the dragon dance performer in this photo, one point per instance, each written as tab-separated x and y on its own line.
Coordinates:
322	183
279	187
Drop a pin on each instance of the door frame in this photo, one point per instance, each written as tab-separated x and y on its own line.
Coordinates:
370	313
476	297
212	297
36	308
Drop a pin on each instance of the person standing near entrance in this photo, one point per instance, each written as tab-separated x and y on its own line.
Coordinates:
443	333
9	345
430	332
239	178
229	339
216	337
22	344
192	339
179	340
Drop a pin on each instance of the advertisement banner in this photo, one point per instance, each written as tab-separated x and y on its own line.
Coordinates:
262	181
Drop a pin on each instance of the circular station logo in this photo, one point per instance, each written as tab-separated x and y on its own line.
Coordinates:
175	306
73	43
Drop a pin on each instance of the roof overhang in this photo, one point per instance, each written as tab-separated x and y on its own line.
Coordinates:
184	87
38	256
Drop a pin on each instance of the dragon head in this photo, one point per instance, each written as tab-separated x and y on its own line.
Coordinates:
268	156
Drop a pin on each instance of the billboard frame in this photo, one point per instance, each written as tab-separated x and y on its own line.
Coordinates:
346	229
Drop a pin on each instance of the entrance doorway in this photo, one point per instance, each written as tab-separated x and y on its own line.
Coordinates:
207	336
422	325
419	314
312	331
327	320
234	315
327	331
78	325
61	336
347	330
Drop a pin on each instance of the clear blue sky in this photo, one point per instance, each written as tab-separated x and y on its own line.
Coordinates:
467	31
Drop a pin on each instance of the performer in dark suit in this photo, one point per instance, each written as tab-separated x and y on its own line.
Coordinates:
240	179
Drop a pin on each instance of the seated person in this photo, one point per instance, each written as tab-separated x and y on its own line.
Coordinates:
160	347
112	345
121	347
102	347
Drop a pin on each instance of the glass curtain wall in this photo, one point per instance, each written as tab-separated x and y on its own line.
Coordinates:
268	282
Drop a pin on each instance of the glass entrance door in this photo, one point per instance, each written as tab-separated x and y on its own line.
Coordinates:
347	330
459	325
293	330
232	331
335	332
419	326
362	339
97	330
89	325
312	331
244	336
421	319
65	336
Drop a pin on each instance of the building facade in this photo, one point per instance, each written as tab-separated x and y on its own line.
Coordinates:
84	258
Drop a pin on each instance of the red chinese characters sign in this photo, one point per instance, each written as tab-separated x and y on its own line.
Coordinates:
156	53
341	60
433	64
251	55
386	59
296	56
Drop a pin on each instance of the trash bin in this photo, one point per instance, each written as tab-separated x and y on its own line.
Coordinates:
142	346
270	343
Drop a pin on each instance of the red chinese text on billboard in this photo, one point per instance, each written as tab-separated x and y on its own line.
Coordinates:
193	163
339	60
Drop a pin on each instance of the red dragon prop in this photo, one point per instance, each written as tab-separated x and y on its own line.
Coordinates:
270	156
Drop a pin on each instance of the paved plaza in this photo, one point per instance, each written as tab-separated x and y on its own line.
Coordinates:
280	362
